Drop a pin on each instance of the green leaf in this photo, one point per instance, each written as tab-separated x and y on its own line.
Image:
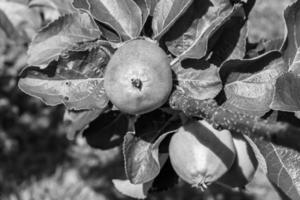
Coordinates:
141	147
81	4
62	7
251	83
138	191
22	17
189	36
75	80
283	167
107	32
291	50
262	164
287	93
145	8
60	35
152	4
198	79
125	16
7	26
165	15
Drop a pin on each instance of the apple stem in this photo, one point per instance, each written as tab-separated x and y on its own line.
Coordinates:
137	83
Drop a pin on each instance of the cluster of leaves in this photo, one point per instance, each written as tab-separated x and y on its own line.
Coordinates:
218	76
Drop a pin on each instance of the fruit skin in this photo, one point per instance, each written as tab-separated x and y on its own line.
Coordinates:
138	77
245	165
201	154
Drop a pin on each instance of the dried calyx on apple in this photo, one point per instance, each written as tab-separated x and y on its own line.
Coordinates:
138	77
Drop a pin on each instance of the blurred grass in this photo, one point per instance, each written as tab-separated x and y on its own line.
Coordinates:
37	162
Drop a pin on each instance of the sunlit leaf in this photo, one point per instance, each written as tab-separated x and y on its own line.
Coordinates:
199	80
137	191
189	36
251	83
123	16
152	4
75	80
262	165
145	8
60	35
283	167
166	13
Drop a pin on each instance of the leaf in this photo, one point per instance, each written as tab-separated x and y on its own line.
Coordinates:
60	35
81	4
123	16
262	165
165	15
189	36
75	80
107	131
138	191
145	9
7	26
251	83
77	121
141	158
141	149
283	167
297	114
291	50
62	7
107	32
23	18
231	44
151	5
287	93
198	79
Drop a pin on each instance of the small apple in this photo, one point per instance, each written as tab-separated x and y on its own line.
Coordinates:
138	77
201	154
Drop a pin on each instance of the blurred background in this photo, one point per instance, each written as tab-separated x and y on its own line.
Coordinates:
38	162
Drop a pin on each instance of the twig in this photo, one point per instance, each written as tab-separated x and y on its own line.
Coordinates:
279	133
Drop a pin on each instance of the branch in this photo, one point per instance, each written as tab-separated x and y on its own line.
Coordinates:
278	133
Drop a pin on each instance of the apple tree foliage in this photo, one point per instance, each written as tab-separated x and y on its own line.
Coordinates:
218	76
